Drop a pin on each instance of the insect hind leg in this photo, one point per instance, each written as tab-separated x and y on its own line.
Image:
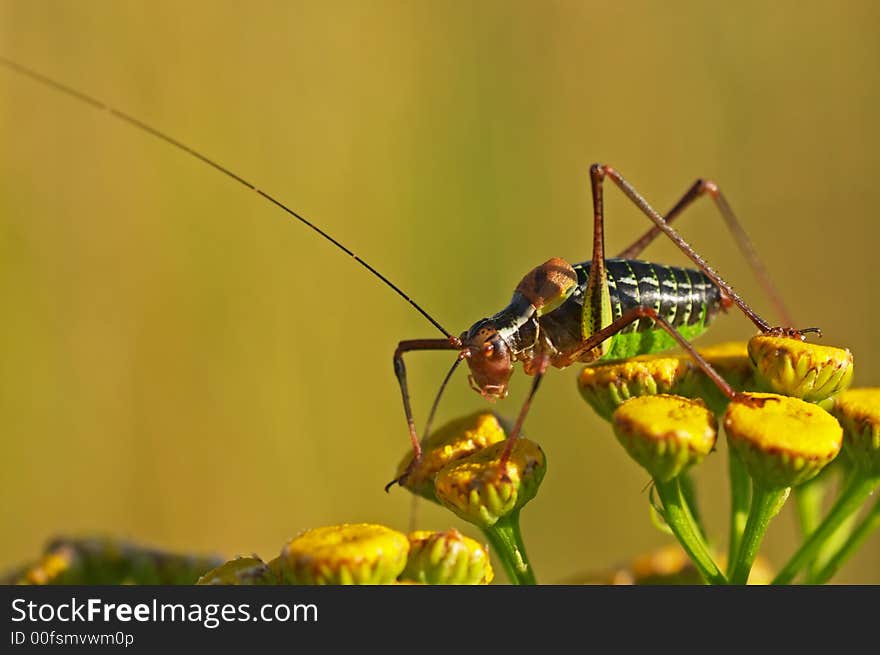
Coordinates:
698	189
599	172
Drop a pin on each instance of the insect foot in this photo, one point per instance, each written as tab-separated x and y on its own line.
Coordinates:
457	439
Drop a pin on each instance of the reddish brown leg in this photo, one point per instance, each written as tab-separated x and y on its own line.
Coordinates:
594	341
451	343
599	172
742	239
540	367
635	314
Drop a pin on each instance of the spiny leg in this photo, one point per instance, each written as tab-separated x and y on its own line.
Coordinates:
599	172
698	189
450	343
597	313
540	367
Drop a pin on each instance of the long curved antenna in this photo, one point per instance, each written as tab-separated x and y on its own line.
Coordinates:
427	431
131	120
414	505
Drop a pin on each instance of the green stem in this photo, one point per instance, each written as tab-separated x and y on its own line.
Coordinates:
856	539
740	497
837	538
834	543
766	503
808	502
689	491
850	500
680	519
507	542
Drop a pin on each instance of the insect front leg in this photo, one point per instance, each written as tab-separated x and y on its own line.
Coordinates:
450	343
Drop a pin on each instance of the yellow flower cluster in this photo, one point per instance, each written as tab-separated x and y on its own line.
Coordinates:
364	554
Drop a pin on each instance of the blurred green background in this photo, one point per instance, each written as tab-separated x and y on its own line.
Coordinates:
182	365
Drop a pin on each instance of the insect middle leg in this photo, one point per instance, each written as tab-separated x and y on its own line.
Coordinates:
594	341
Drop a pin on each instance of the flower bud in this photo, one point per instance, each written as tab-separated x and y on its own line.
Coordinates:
346	554
858	411
607	386
446	558
481	490
665	434
455	440
792	367
782	441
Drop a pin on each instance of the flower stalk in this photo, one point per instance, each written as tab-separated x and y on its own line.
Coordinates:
680	520
808	503
506	538
740	501
782	442
489	491
766	503
870	523
849	502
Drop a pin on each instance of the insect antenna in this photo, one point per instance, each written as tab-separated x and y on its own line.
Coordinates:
414	506
134	122
427	431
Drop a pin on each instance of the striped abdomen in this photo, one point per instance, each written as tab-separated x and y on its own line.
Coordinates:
684	297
